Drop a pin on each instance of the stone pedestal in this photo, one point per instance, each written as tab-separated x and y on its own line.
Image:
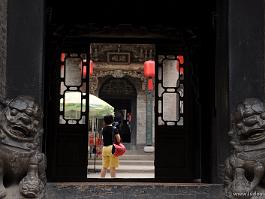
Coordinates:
149	149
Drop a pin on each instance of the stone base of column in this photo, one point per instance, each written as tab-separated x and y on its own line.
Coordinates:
149	149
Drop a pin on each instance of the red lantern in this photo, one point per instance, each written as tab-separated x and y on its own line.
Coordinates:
62	57
150	84
91	66
149	69
181	59
84	71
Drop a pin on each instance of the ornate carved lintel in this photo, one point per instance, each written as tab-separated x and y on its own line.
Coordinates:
122	53
93	82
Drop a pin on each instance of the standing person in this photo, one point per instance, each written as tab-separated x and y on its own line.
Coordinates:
108	159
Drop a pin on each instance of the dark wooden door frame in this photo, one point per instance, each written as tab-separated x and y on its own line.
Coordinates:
50	79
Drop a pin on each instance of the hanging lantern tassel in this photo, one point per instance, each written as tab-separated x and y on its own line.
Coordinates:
181	71
91	66
150	84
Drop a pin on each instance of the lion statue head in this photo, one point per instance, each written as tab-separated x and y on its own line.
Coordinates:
20	120
249	122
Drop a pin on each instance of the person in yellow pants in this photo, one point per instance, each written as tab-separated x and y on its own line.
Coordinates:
109	161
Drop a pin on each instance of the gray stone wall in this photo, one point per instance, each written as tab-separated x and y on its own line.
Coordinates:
246	50
141	117
3	47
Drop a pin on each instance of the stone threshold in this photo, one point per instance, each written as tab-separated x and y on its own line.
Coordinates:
134	190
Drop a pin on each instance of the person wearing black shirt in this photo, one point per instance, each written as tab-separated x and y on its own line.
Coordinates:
109	161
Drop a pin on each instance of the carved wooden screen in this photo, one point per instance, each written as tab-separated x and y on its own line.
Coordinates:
73	91
170	95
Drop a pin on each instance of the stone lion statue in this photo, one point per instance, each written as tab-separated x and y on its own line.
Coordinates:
244	168
21	160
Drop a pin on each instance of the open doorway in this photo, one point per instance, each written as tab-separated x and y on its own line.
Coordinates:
118	79
182	106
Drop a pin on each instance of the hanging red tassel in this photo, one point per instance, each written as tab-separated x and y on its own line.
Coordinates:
150	84
181	71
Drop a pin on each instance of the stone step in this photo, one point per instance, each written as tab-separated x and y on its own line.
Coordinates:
125	162
129	157
126	168
123	175
138	152
136	157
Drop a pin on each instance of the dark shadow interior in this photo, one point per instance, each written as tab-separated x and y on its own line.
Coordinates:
120	103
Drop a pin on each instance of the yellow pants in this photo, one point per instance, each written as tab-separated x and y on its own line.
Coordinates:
108	159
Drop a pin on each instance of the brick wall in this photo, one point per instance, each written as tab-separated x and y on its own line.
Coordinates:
3	46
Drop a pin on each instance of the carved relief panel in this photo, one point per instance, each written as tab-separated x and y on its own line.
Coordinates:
118	61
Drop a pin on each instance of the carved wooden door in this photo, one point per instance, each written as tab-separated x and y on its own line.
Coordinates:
175	156
68	133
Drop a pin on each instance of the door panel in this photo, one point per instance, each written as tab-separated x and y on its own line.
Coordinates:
174	157
69	136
